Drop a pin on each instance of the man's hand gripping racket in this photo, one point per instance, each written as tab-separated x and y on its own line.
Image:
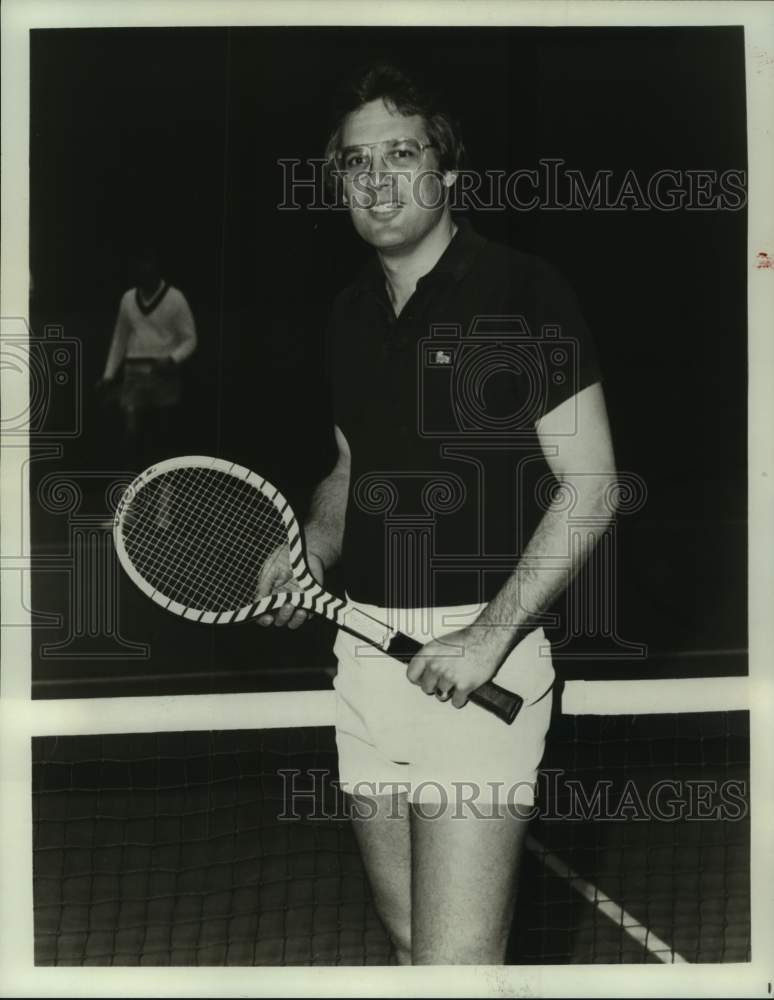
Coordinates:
201	537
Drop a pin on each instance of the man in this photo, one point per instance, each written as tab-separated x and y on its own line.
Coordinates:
444	885
154	334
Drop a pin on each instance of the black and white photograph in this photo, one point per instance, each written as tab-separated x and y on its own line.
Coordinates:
387	489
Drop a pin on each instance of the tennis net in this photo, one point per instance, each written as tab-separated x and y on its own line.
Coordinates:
186	848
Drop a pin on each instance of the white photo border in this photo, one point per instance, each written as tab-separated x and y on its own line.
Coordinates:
21	718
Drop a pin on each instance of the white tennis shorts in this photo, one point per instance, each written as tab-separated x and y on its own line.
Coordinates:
391	736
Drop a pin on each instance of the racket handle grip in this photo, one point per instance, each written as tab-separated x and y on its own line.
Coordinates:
490	696
495	699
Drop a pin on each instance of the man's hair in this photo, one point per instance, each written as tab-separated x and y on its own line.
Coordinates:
145	262
399	91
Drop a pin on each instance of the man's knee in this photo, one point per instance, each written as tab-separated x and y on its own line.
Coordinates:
463	953
399	929
402	953
458	946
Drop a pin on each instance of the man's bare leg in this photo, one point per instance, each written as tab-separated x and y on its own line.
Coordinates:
464	874
382	828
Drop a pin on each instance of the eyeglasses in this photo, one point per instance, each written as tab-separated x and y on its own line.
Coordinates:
397	154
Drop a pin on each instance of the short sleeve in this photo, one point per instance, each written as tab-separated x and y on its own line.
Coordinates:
341	362
568	356
330	367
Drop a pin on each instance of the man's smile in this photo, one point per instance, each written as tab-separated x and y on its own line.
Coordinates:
386	209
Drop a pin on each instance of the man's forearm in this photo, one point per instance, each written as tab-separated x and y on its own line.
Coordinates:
324	528
115	356
186	345
117	348
554	555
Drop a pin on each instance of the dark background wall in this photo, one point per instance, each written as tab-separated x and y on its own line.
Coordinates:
176	134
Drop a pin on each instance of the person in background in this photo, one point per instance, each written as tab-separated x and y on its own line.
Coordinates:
154	334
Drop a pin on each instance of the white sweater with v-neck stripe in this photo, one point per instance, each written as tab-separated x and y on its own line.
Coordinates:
161	328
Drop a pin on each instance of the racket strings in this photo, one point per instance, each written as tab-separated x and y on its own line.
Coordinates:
197	547
241	530
212	556
173	562
201	537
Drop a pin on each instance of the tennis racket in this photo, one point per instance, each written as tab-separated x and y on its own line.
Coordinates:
194	533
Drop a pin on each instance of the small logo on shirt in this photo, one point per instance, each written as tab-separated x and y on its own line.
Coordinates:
441	358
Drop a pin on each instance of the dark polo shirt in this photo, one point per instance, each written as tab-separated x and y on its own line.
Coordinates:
439	407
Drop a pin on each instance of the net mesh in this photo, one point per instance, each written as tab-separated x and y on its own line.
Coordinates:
642	850
174	849
201	536
185	848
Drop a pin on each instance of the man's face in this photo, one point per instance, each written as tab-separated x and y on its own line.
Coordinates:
147	272
392	209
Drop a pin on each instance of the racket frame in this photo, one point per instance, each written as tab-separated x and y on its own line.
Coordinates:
311	595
